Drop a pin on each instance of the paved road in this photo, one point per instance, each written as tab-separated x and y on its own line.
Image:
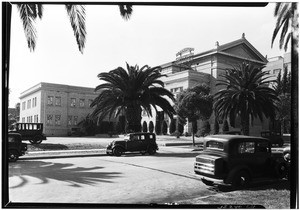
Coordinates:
131	179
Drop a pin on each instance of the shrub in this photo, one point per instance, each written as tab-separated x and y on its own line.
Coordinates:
176	133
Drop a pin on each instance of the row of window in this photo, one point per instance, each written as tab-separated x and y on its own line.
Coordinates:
56	120
30	103
56	101
31	119
176	90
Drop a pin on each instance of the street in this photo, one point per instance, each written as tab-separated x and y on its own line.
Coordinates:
165	177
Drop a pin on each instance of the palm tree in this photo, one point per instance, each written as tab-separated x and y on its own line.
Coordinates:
130	91
76	13
245	94
287	15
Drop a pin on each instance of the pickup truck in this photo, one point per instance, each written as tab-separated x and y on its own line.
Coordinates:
236	160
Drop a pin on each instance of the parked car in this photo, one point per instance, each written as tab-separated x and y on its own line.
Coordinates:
134	142
33	132
237	159
15	146
75	132
274	137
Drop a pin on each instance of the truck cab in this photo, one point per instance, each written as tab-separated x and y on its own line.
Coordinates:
33	132
236	160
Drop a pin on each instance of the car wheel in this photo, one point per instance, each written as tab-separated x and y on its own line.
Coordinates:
13	156
241	179
151	151
117	151
36	140
143	152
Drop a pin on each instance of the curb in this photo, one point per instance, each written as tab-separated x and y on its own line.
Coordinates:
84	153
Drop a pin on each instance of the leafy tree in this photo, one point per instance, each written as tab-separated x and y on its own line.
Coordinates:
151	127
172	126
145	128
30	12
130	91
246	94
194	104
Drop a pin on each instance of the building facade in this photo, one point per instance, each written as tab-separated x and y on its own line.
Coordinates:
58	107
189	70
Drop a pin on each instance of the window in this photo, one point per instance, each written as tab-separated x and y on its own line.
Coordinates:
23	105
69	120
34	102
57	119
262	147
49	119
57	101
73	102
50	100
29	104
81	102
215	145
75	120
23	119
246	147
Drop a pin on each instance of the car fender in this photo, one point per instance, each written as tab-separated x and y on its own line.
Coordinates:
118	145
232	173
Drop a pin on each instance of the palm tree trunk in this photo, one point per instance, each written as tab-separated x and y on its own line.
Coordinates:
245	124
133	118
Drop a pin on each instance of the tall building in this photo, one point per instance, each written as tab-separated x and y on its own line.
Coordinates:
189	69
277	65
58	107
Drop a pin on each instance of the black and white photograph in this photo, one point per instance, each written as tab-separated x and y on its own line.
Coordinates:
150	105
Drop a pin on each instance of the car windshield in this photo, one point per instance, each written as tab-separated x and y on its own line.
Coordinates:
215	145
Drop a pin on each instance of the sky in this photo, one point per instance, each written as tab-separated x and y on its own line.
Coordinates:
152	36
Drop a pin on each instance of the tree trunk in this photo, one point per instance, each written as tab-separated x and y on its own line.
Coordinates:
133	118
193	134
245	124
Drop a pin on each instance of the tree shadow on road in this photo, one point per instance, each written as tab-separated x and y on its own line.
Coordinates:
45	171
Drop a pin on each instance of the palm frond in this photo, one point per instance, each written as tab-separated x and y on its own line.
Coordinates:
77	19
28	14
126	11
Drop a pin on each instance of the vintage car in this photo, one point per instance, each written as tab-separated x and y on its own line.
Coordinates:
15	146
30	131
236	160
274	137
134	142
